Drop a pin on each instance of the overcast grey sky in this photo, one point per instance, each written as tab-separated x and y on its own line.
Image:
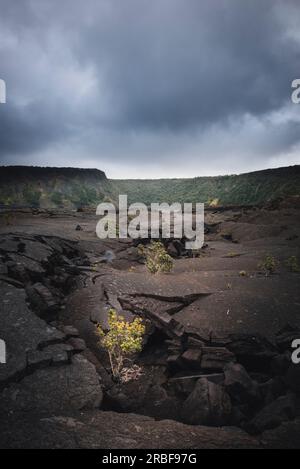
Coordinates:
160	88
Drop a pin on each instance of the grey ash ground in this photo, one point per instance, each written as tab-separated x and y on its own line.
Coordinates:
216	357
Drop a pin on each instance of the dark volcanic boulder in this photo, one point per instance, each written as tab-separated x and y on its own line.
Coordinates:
281	363
22	331
41	299
272	389
215	358
171	249
144	395
292	378
24	269
158	404
70	331
184	385
208	404
191	359
56	389
285	337
254	352
78	344
271	416
239	385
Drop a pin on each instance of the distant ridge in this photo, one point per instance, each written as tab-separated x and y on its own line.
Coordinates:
71	188
51	187
244	189
48	171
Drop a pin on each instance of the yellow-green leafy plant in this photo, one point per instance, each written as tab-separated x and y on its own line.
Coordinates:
268	265
122	340
243	273
292	264
157	258
232	254
214	202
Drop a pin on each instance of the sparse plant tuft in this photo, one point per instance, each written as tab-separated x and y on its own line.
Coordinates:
157	258
214	202
132	373
122	340
268	265
293	264
232	254
243	273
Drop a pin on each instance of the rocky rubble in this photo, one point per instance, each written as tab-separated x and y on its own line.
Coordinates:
51	300
202	377
46	267
44	371
208	404
68	387
208	386
244	373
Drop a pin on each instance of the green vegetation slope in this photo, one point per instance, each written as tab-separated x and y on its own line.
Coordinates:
71	188
249	189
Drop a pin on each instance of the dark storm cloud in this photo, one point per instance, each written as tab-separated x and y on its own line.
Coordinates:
178	65
105	81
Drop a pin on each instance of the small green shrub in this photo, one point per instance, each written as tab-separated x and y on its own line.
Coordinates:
233	254
214	202
157	258
122	340
292	264
268	265
243	273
